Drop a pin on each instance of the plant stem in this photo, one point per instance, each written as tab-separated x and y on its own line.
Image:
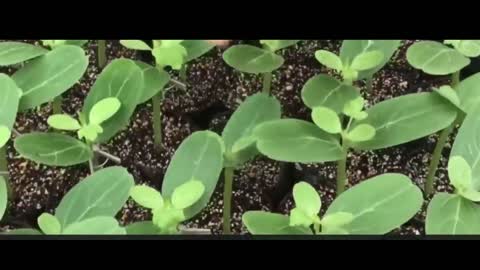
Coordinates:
442	140
267	82
57	105
342	171
179	84
369	84
101	53
157	121
227	199
4	168
183	73
107	155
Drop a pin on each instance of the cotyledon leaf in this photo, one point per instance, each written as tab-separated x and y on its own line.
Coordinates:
101	194
155	80
12	53
468	91
196	48
251	59
48	76
9	100
52	149
451	214
406	118
265	223
199	157
99	225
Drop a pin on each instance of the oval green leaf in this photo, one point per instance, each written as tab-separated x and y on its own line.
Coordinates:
200	157
187	194
251	59
264	223
449	214
147	197
101	194
95	226
329	59
327	120
406	118
52	149
326	91
49	224
135	44
469	48
307	199
63	122
434	58
361	133
196	48
121	79
293	140
48	76
379	204
154	81
367	60
104	110
12	53
3	196
9	100
142	228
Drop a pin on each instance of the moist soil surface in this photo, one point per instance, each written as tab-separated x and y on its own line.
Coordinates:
214	90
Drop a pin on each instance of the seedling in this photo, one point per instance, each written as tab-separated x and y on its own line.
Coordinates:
89	207
375	206
255	60
109	106
458	213
435	58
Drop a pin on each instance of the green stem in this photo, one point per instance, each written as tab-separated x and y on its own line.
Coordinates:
4	168
227	199
267	82
93	161
369	84
316	228
442	140
57	105
157	121
183	73
342	179
101	53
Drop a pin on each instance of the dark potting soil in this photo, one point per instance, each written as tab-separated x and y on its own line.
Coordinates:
214	91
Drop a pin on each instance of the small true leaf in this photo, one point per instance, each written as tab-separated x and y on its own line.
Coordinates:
367	60
329	59
52	149
460	173
299	218
168	218
307	199
3	196
449	94
173	56
147	197
187	194
95	226
49	224
4	135
327	120
90	132
142	228
260	222
251	59
12	53
135	45
104	110
154	80
361	133
354	106
63	122
435	58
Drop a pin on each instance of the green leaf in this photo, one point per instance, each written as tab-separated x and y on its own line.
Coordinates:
3	196
9	100
135	44
196	48
406	118
187	194
174	56
49	224
367	60
379	204
307	199
23	232
467	145
449	94
122	79
326	91
4	135
255	110
104	110
294	140
298	217
168	218
48	76
275	45
335	221
260	222
327	120
468	91
329	59
460	173
251	59
90	132
354	107
142	228
449	214
200	156
101	194
361	133
95	226
351	48
52	149
469	48
12	53
63	122
147	197
53	43
435	58
154	81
